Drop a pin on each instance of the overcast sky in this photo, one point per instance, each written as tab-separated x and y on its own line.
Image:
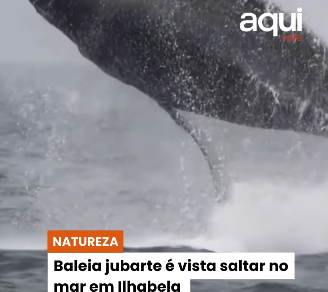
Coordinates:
25	36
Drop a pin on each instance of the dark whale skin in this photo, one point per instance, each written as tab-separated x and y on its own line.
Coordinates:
191	55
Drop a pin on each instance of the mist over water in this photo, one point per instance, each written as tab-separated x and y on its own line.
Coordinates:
99	154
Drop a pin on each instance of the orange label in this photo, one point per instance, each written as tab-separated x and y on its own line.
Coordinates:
85	241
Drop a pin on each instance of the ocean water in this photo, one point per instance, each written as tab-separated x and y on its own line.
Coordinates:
79	150
27	271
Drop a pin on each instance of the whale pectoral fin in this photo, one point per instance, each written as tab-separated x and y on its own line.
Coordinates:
215	162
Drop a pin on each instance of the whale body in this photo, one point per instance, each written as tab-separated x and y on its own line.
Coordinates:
191	55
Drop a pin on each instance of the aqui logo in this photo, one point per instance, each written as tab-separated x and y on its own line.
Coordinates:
277	20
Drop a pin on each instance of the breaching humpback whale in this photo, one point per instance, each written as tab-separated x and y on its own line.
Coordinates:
190	55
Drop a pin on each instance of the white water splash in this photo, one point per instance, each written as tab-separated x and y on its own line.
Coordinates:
273	216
